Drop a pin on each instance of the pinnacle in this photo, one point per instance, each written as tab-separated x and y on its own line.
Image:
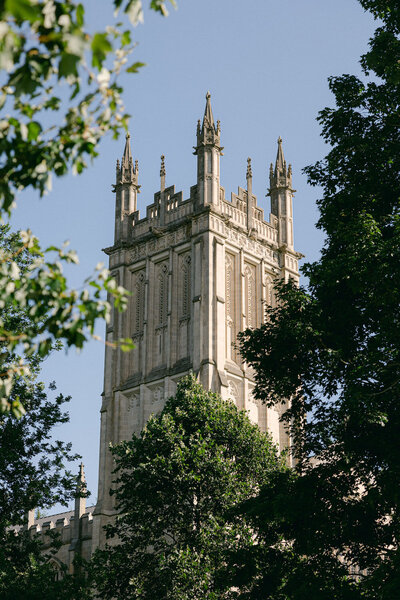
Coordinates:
280	159
249	170
162	169
208	120
127	156
81	477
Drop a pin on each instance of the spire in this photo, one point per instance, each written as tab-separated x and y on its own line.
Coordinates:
127	157
208	120
126	172
280	159
208	134
280	176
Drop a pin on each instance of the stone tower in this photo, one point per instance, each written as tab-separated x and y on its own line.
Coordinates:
200	270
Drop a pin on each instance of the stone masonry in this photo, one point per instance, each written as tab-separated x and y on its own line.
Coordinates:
200	270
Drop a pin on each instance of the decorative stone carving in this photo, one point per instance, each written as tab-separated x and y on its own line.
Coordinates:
250	295
158	394
133	402
233	391
269	290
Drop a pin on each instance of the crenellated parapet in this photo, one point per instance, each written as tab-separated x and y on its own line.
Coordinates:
63	525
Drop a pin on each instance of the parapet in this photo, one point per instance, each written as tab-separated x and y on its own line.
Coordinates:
63	525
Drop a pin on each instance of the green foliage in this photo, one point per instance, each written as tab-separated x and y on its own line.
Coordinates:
33	466
37	309
44	45
32	475
333	349
176	484
59	96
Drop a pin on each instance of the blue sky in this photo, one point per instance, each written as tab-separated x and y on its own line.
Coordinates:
266	64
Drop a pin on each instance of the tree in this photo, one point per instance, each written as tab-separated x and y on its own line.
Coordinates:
333	348
175	485
32	467
44	45
32	474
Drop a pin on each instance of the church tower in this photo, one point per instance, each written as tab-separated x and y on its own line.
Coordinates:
200	270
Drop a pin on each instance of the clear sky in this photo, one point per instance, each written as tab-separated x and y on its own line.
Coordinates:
266	64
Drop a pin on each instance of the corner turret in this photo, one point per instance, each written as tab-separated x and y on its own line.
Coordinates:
281	192
126	188
208	151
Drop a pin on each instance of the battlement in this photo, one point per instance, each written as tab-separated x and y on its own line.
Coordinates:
177	210
63	524
169	207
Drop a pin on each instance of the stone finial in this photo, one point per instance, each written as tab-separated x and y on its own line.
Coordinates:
249	172
81	476
162	173
162	168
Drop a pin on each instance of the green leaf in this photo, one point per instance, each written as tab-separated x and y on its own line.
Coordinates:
23	10
80	11
34	129
68	65
126	38
135	67
100	48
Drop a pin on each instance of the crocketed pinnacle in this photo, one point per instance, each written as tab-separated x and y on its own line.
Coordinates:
249	172
208	133
280	162
162	168
281	176
127	156
126	171
208	120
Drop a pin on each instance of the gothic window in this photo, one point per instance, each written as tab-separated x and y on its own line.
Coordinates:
250	296
230	304
163	296
57	568
138	298
186	286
